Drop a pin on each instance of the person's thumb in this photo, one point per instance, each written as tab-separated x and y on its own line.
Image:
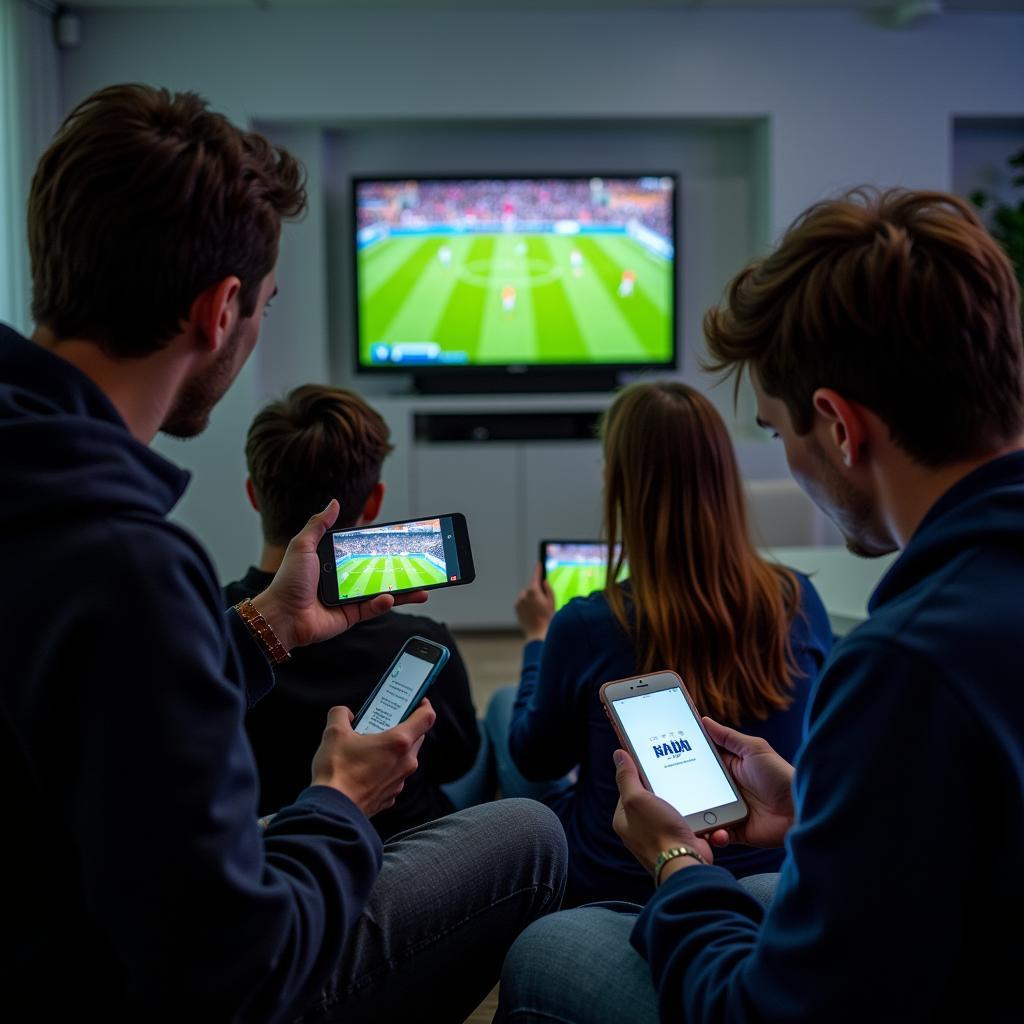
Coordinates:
627	778
728	739
318	525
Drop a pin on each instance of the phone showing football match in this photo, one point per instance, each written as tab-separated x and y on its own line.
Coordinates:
358	563
576	568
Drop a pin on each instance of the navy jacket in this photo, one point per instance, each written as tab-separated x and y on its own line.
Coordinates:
285	727
138	885
902	894
558	722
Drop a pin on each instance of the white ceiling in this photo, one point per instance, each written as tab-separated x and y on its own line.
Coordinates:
908	9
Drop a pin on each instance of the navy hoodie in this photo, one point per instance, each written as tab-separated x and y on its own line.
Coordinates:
138	884
902	893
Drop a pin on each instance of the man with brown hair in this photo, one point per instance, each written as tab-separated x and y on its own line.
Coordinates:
139	885
316	444
883	340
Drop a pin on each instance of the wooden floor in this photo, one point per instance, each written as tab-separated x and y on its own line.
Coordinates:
492	660
484	1013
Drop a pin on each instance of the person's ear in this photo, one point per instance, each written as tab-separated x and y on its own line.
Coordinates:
372	507
251	492
214	313
847	424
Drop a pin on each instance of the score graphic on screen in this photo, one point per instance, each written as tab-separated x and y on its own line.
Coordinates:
673	752
490	272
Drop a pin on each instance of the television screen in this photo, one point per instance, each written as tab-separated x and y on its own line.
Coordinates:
515	272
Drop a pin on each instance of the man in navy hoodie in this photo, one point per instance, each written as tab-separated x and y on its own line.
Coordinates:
883	340
138	883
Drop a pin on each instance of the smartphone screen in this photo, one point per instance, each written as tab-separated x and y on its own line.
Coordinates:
392	700
397	557
673	751
576	568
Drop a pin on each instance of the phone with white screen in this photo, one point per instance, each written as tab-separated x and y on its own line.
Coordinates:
402	687
658	724
359	562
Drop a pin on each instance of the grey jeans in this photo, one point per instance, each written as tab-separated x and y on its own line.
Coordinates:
578	967
450	899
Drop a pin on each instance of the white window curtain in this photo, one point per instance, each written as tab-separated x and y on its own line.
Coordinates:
30	105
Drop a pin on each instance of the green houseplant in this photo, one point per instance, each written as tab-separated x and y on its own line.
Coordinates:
1006	220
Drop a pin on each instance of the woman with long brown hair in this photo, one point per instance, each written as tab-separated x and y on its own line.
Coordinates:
747	636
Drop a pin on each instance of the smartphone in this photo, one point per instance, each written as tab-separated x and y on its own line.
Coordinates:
402	687
575	568
360	562
657	723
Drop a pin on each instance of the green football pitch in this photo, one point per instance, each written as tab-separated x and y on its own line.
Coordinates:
566	308
375	574
569	581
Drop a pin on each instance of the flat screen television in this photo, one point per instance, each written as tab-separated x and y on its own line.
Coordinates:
544	282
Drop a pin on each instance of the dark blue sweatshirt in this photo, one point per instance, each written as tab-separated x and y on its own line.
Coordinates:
902	893
558	722
137	884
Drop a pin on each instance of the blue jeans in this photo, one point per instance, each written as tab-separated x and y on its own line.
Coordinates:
451	897
577	967
511	781
494	765
477	786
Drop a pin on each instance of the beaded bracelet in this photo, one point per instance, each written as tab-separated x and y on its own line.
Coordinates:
260	628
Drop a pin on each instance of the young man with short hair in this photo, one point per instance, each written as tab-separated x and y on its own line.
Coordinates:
883	339
315	444
139	884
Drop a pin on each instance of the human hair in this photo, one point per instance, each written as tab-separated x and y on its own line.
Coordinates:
315	444
143	199
898	300
699	599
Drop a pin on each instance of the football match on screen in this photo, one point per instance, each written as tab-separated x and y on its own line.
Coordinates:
402	557
524	271
575	570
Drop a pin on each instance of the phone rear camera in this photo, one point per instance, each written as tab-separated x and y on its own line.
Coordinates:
328	567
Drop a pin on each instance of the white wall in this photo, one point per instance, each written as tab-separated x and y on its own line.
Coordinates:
838	102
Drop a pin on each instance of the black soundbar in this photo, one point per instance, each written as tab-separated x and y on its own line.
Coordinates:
507	426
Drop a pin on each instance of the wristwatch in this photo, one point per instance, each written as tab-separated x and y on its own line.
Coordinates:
676	851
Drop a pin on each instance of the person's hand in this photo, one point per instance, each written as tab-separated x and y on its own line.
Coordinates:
370	770
535	606
766	783
647	825
290	604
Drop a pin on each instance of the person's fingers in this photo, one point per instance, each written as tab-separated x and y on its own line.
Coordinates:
339	715
418	724
720	837
729	739
537	578
412	597
376	606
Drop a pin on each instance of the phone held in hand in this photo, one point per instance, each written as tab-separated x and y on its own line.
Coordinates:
575	568
360	562
402	687
656	721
